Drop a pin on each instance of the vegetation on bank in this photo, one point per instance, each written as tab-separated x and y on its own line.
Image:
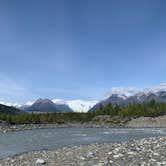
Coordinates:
47	118
149	109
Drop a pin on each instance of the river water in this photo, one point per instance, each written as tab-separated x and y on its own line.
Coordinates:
13	143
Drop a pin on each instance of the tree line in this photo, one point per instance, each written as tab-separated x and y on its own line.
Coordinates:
146	109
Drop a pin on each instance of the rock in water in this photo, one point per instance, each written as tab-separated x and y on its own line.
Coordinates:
40	161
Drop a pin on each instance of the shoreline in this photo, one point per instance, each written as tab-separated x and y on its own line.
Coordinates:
21	127
141	122
147	151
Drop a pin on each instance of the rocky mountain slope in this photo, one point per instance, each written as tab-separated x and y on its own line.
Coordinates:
159	96
74	105
46	105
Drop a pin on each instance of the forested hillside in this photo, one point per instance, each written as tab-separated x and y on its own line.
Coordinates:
9	110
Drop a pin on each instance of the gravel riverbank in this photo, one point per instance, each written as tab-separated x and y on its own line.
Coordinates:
159	122
100	121
4	128
144	152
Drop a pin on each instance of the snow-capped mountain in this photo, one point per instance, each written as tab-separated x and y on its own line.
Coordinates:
120	96
80	105
77	105
130	91
159	96
46	105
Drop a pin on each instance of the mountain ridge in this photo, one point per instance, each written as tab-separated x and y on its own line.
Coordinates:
9	110
158	96
75	105
46	105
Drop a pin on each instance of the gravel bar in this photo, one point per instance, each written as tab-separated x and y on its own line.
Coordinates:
21	127
144	152
103	122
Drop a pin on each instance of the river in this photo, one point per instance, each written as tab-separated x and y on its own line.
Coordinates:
13	143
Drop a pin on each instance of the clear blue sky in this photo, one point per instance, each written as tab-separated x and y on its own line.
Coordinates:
80	49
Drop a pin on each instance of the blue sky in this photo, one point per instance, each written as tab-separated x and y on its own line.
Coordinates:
80	49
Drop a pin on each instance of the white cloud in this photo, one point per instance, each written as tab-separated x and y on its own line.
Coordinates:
157	88
129	91
10	104
10	87
29	103
10	90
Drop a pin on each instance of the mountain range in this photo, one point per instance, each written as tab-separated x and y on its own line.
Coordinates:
46	105
77	105
121	99
59	105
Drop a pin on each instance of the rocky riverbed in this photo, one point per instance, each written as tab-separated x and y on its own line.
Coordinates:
144	152
4	128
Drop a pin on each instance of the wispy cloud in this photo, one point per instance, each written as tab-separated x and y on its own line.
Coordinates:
123	90
10	89
128	91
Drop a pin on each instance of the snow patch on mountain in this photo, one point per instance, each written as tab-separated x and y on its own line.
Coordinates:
83	106
77	105
80	105
59	101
